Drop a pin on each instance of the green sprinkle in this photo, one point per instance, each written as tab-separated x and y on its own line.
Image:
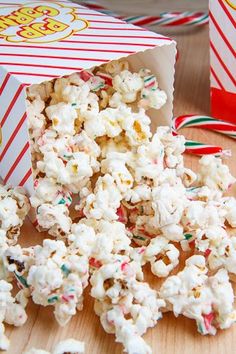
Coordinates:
65	269
192	189
200	329
52	299
148	78
73	104
188	236
22	280
70	199
62	201
139	237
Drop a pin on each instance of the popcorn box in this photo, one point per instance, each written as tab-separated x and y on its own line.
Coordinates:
222	57
41	41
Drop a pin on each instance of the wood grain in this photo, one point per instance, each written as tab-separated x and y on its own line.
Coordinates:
171	335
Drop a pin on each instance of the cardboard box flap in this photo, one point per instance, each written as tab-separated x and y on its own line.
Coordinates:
40	42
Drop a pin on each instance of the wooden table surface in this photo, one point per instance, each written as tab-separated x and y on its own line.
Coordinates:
171	335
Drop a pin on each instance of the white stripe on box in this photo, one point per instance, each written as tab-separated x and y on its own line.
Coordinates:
221	74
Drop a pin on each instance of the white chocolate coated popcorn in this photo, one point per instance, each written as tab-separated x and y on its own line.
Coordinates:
91	142
14	206
10	312
70	346
214	174
208	300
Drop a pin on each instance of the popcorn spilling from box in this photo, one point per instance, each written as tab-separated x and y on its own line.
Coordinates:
134	203
114	197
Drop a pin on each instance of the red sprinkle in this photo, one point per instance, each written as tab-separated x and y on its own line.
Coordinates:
65	298
208	320
85	75
94	263
124	266
207	252
106	78
121	215
192	244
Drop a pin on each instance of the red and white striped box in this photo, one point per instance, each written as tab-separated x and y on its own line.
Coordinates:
40	41
223	59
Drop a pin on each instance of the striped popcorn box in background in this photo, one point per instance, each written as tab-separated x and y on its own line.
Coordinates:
40	41
223	59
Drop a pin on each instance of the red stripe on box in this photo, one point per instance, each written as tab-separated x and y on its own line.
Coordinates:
113	43
116	22
223	105
222	4
32	74
223	64
25	178
117	29
12	137
70	49
119	36
90	14
5	81
41	66
217	79
222	34
17	94
15	164
50	57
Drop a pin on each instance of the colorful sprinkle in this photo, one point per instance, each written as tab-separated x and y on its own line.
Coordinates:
208	320
22	280
188	236
65	270
53	299
94	263
207	252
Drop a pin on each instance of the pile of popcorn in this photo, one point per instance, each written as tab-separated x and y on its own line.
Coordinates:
134	203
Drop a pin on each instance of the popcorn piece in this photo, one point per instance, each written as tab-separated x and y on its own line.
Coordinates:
36	351
120	296
70	346
105	200
63	118
10	312
127	85
174	147
47	191
14	207
55	277
162	255
214	174
115	164
229	205
54	218
208	300
168	204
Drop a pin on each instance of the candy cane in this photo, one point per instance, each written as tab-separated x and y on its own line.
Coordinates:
205	122
187	18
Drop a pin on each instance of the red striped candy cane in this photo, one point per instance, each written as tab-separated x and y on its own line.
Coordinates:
205	122
187	18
